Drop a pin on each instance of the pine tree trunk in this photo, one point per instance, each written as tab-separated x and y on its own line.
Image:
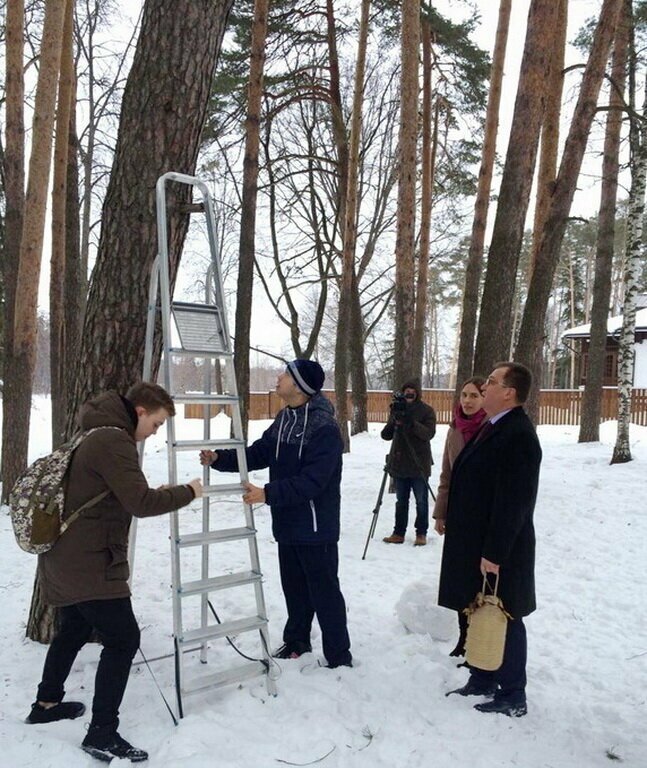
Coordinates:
475	255
247	243
532	325
58	352
162	116
359	416
75	283
14	458
406	205
547	171
428	162
495	321
592	397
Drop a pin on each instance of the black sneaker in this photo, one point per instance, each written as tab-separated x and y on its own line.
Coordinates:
503	706
105	748
292	650
472	688
64	710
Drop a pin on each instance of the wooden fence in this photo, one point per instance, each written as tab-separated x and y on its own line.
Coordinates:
556	406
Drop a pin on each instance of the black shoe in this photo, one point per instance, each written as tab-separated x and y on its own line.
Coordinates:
336	664
504	706
292	650
472	688
64	710
103	747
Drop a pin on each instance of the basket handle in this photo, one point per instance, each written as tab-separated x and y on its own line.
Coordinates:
487	585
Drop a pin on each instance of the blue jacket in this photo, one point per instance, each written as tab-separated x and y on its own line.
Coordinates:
303	449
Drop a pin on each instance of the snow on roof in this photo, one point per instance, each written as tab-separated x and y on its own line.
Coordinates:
613	326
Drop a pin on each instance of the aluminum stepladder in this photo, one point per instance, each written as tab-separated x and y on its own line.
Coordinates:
204	335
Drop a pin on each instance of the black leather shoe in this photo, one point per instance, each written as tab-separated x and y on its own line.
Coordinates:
472	688
64	710
503	706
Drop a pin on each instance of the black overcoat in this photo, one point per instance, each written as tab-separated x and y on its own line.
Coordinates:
492	495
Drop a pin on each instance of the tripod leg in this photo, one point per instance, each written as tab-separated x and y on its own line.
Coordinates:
376	512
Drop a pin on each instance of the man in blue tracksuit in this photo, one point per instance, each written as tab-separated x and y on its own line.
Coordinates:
303	450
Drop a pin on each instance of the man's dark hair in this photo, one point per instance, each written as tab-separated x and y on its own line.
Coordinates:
151	396
518	377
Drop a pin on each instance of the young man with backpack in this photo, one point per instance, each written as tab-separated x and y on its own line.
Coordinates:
85	574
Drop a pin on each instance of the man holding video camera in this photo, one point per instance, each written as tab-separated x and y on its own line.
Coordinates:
411	426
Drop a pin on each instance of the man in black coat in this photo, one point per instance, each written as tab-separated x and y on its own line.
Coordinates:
411	426
489	530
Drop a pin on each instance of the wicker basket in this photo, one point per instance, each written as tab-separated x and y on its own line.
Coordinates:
486	630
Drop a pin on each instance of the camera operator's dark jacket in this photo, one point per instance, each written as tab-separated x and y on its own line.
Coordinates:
411	453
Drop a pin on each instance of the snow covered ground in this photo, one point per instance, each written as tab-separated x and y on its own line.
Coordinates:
587	667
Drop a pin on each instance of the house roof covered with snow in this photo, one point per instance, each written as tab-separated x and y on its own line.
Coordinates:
614	324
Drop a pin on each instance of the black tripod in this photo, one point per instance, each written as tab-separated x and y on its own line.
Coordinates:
380	495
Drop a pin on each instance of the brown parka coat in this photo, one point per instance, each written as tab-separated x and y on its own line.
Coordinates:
90	560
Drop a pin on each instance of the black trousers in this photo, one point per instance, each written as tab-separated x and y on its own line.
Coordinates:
311	586
116	626
511	676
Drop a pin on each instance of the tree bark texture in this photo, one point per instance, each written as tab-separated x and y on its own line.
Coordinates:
428	162
247	241
75	281
532	325
348	288
495	321
633	266
406	204
475	254
591	399
14	457
58	352
162	116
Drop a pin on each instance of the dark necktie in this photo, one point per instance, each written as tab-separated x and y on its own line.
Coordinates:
484	431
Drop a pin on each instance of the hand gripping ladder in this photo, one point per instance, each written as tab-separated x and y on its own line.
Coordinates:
203	335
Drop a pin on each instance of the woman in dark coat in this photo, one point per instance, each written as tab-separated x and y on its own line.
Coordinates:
466	422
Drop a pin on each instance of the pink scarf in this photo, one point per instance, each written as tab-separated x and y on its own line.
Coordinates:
467	425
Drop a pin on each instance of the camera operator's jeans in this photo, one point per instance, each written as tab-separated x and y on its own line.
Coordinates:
403	488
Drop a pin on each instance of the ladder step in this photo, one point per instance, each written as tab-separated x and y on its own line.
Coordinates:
226	629
223	490
201	399
234	675
199	352
218	582
212	537
198	445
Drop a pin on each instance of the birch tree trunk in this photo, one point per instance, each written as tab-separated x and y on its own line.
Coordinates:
532	325
592	397
475	254
14	458
633	268
247	241
406	205
495	321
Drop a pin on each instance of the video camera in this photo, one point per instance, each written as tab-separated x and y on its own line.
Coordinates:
398	404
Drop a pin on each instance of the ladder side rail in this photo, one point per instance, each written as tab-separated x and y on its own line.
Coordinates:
148	356
165	303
